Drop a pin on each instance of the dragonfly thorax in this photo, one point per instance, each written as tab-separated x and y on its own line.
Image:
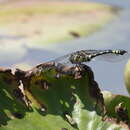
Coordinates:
79	58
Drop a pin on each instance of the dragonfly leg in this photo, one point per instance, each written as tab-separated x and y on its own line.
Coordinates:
76	67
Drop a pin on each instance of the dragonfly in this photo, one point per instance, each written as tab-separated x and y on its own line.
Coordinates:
84	56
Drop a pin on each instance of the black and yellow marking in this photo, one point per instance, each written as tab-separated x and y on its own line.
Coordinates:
119	52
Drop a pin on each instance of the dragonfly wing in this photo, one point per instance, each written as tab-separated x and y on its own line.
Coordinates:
93	51
63	60
112	57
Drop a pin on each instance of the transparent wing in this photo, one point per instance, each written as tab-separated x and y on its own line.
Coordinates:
93	51
63	60
112	57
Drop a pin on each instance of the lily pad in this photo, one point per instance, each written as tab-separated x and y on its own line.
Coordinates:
54	97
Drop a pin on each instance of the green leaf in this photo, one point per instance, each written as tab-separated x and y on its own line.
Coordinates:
50	97
117	106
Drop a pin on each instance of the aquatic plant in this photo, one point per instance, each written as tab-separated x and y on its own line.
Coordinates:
50	97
